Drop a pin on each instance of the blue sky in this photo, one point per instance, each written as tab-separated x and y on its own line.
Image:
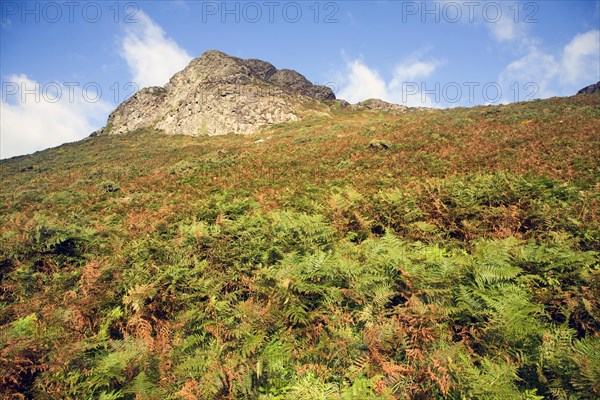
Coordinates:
65	65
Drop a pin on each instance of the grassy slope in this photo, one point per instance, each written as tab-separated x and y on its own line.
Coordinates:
461	261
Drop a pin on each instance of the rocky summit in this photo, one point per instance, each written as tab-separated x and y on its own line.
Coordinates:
218	94
593	88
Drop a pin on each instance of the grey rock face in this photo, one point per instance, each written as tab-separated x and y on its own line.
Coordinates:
137	112
218	94
590	89
300	84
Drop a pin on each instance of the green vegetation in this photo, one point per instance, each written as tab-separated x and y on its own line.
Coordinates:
460	262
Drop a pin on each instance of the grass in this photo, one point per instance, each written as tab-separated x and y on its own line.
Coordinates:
458	261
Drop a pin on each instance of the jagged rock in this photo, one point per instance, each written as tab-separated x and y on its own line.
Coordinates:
219	94
300	84
139	111
590	89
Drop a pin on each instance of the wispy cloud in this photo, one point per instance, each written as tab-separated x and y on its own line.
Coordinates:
558	74
412	69
505	21
180	4
43	118
151	55
507	27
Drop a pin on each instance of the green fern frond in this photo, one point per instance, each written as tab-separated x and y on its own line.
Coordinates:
587	357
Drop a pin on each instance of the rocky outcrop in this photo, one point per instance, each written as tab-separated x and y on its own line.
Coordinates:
380	105
300	84
139	111
220	94
590	89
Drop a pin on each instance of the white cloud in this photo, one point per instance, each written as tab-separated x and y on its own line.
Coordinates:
557	75
413	69
35	121
361	82
151	56
536	67
581	58
505	29
506	21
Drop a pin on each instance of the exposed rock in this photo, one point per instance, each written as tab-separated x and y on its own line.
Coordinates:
139	111
97	132
343	103
380	105
377	104
219	94
300	84
590	89
379	144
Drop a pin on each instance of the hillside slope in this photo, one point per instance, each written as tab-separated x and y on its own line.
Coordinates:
355	255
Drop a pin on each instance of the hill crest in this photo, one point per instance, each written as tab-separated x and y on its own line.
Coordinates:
219	94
